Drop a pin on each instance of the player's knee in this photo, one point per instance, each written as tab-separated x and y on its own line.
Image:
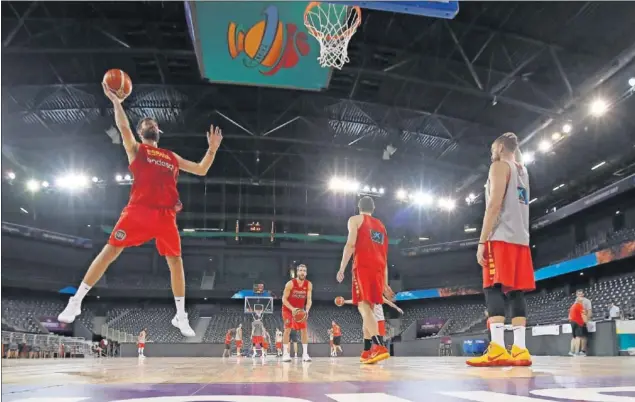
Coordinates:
495	300
110	253
174	262
517	304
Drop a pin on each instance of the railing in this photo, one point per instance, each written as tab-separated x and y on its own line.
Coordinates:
45	345
115	335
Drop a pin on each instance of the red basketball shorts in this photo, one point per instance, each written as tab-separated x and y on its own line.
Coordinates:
257	340
239	344
265	345
138	224
290	323
509	265
382	327
278	345
142	345
368	285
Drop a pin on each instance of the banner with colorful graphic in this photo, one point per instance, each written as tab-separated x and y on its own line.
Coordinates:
256	43
438	292
625	330
429	326
56	327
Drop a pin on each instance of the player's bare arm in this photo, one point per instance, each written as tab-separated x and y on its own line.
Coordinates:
214	138
285	296
349	247
393	305
130	143
498	175
309	298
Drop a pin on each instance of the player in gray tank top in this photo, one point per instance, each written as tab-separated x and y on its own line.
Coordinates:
257	328
504	253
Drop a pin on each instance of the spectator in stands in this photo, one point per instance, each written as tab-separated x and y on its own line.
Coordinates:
588	313
614	312
577	320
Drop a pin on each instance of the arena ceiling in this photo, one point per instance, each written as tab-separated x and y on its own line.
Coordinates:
438	91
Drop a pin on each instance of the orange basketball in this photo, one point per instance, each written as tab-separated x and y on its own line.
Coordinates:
339	301
118	82
299	315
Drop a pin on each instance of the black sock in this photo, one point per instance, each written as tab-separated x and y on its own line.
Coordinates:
367	344
378	341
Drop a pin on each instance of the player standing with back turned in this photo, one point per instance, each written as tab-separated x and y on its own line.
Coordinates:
151	210
368	241
504	253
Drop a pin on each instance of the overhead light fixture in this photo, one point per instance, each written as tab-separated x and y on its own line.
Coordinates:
374	189
469	230
558	187
424	238
598	107
119	177
33	185
24	211
95	179
544	146
45	184
617	212
528	157
423	198
556	136
631	82
11	175
566	128
366	188
533	200
402	194
381	190
599	165
447	203
313	234
127	177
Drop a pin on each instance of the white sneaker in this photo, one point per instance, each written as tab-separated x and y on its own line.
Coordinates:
306	358
183	324
72	310
286	358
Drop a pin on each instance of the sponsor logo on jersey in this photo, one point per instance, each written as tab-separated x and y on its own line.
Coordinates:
162	163
120	234
159	154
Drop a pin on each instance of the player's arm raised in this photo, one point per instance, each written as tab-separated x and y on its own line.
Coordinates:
498	175
214	138
309	298
130	143
285	296
349	248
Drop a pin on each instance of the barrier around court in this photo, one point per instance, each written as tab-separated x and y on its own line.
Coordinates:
33	346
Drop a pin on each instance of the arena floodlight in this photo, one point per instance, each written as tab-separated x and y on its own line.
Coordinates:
566	128
557	136
95	179
558	187
447	203
45	184
374	189
421	198
544	146
11	175
118	177
127	177
598	165
401	194
33	185
598	107
381	190
528	157
631	82
72	181
533	200
24	211
366	189
353	185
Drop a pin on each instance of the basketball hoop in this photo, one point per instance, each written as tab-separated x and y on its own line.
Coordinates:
258	309
333	25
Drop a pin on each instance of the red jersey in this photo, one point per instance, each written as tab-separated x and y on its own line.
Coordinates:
155	171
298	294
337	331
228	338
371	247
575	314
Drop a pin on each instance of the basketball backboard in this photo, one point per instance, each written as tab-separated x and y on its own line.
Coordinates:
255	304
437	9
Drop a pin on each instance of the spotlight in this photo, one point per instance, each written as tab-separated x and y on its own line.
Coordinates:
598	165
423	199
127	177
24	211
374	189
33	185
447	203
566	128
631	82
45	184
544	146
401	194
72	181
353	185
366	189
556	136
11	176
472	196
528	157
533	200
95	179
558	187
381	190
119	177
598	107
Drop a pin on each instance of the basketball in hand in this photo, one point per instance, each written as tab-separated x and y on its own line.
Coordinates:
299	315
118	82
339	301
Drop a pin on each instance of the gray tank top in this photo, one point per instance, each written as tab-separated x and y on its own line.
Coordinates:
513	223
258	328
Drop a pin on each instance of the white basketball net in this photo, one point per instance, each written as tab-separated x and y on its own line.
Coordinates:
333	25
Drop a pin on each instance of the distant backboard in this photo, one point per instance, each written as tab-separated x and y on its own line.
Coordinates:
260	43
437	9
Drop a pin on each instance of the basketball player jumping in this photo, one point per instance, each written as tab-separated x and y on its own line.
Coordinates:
297	295
368	241
151	210
504	253
378	311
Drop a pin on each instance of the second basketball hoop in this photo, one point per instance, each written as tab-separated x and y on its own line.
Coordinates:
333	25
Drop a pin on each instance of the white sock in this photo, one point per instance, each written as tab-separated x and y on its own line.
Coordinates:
180	306
498	333
519	337
81	291
139	351
305	349
286	349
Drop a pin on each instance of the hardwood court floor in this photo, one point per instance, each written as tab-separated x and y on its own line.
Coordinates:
400	379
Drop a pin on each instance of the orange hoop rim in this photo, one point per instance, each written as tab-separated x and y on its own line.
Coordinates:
349	31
